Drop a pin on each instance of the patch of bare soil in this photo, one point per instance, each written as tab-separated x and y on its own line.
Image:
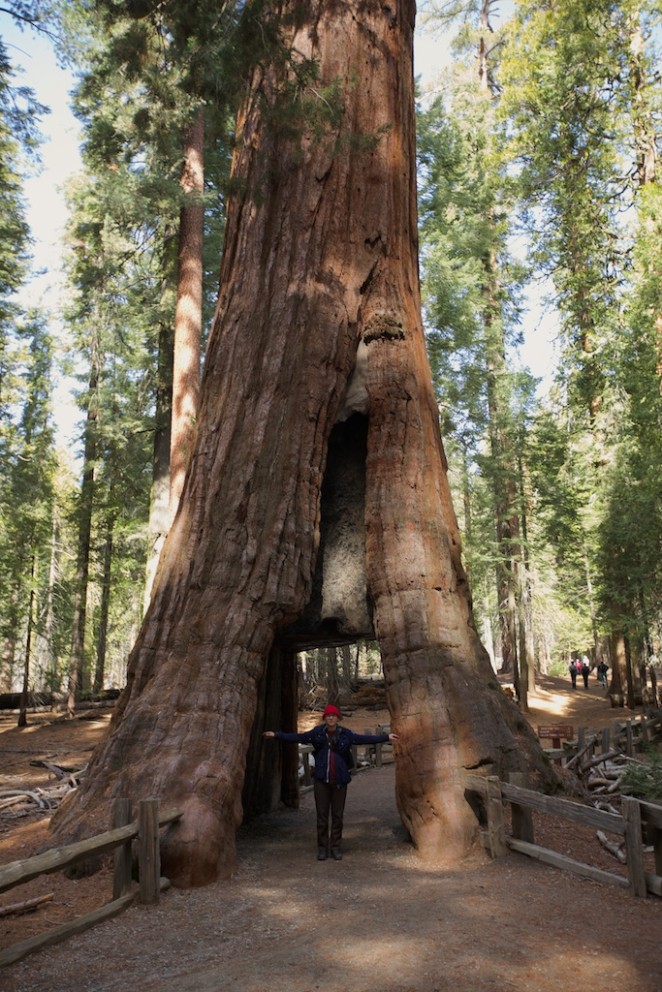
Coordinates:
378	920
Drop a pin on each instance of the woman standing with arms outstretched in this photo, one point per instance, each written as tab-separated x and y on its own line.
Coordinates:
332	745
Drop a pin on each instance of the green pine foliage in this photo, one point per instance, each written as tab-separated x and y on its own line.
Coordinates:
531	169
29	506
471	287
631	525
643	780
18	144
555	168
28	467
575	112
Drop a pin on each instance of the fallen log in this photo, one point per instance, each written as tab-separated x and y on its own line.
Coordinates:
599	758
12	797
56	770
612	846
596	781
607	807
580	754
27	906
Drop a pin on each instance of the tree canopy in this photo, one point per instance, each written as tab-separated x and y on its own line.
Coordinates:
537	164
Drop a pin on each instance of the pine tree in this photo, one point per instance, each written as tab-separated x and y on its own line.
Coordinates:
471	286
562	78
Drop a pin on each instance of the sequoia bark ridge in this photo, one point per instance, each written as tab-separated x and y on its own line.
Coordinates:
319	267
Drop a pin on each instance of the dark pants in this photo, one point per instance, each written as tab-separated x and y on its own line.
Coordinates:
329	798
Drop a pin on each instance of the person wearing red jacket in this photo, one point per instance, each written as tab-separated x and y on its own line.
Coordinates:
332	746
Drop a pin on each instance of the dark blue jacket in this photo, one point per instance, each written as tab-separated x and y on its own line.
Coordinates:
343	742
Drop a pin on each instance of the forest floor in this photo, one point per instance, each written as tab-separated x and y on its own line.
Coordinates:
378	921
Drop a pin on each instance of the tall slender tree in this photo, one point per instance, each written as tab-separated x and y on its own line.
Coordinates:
470	205
561	78
581	112
29	477
188	311
170	63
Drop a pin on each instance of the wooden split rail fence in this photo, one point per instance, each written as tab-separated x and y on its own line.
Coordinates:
144	829
629	734
637	818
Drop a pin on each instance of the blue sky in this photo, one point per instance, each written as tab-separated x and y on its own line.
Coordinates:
59	152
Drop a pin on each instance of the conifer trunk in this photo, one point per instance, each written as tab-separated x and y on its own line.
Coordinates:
188	310
104	610
23	706
159	507
318	321
78	671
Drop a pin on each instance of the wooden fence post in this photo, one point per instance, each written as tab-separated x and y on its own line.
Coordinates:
377	748
645	737
370	751
149	857
496	832
305	758
656	839
634	845
629	747
593	740
604	747
522	818
122	853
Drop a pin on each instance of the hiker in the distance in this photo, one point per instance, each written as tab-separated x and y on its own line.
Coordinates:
332	746
572	668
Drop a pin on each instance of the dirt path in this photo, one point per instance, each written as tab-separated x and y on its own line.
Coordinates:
379	921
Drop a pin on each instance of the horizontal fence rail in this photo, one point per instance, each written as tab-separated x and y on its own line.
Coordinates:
636	817
144	829
629	735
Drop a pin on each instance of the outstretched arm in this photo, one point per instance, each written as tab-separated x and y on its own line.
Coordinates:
281	735
373	738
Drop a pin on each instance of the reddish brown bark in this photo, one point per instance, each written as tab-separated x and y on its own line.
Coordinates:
159	509
188	310
619	665
319	277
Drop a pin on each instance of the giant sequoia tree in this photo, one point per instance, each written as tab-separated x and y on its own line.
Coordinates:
316	506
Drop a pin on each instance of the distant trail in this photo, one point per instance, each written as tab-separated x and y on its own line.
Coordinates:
556	699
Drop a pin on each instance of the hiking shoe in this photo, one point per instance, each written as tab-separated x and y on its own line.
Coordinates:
336	854
322	854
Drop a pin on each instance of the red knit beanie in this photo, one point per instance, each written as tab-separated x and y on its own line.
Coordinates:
333	711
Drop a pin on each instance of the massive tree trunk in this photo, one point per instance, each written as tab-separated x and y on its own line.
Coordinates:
318	324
